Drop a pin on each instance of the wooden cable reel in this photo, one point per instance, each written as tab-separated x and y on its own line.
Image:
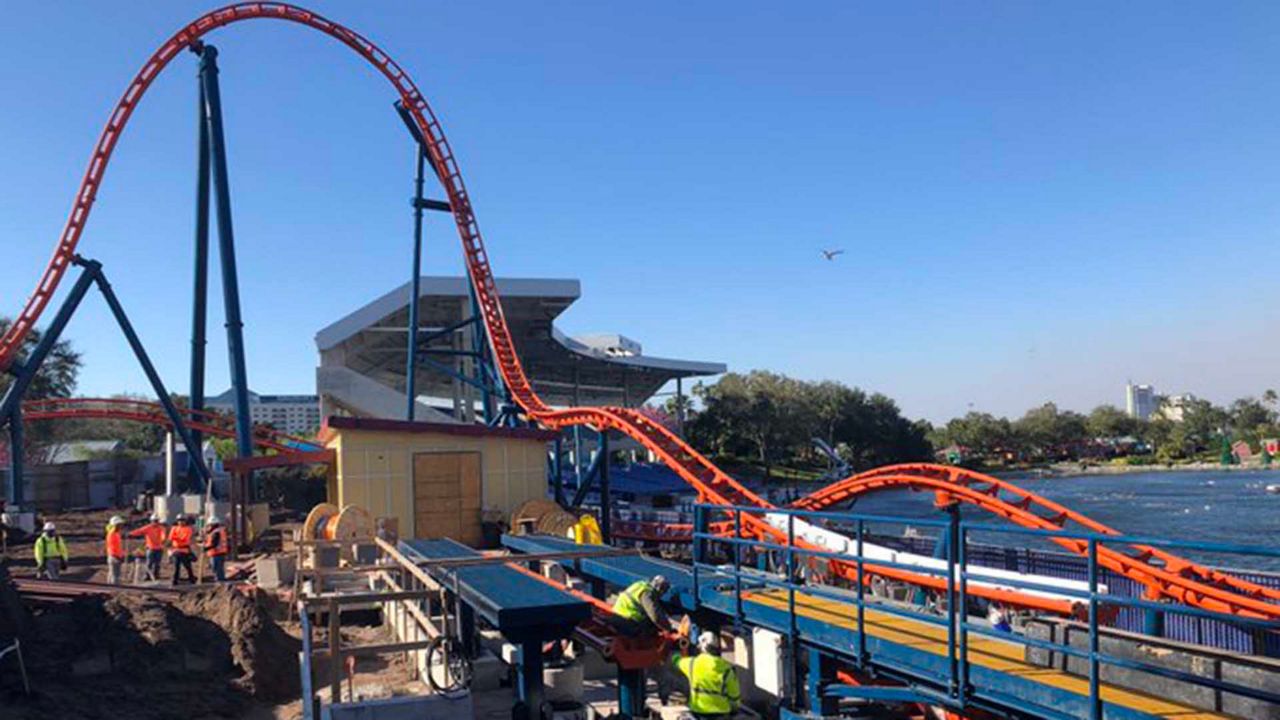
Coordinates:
350	524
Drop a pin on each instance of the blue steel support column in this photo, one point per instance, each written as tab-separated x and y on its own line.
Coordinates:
227	256
606	502
94	268
411	365
631	693
200	285
1153	622
12	401
822	672
529	678
557	480
14	490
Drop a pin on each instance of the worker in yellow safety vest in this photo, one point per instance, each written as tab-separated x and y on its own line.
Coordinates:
50	553
638	609
713	682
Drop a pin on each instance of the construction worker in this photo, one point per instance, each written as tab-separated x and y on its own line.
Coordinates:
153	534
215	547
51	552
713	682
115	548
180	549
638	610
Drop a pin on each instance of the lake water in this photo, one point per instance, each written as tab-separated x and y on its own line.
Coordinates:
1225	507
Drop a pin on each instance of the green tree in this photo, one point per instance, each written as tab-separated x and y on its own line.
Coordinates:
1050	432
56	378
1109	421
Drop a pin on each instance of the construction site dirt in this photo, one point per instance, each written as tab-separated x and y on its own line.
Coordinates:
205	654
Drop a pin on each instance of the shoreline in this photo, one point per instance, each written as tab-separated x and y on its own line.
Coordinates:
1067	470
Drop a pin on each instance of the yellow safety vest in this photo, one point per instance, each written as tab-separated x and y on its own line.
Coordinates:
47	547
713	684
628	603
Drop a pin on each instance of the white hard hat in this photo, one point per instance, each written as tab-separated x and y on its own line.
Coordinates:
214	520
50	527
708	641
115	520
155	517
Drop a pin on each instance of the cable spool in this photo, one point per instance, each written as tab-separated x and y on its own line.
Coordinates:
317	519
349	525
542	516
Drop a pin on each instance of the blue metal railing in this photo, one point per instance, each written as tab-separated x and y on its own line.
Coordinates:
961	568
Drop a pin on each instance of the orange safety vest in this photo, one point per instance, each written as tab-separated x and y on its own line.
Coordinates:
153	534
215	542
115	544
180	539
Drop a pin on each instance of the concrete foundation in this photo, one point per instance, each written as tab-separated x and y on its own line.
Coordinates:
1257	673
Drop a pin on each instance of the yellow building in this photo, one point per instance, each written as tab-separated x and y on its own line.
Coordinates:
436	479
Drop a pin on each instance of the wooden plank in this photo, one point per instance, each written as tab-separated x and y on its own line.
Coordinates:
335	646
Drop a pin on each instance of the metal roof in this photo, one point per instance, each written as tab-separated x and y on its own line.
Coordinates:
605	369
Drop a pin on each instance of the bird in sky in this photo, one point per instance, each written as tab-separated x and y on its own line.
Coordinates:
831	254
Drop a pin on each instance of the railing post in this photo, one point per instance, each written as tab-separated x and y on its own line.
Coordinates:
737	566
953	662
1095	703
962	541
862	602
699	525
793	640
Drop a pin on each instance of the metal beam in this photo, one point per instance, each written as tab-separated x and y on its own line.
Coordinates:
94	268
16	460
200	285
227	255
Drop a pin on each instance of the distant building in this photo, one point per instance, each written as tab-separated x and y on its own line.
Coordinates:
1174	407
1139	401
293	414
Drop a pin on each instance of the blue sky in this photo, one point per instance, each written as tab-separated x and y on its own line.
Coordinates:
1037	202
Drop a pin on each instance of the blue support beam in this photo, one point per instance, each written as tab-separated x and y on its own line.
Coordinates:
586	481
529	690
227	256
200	280
94	268
16	461
557	477
631	693
821	674
606	500
411	365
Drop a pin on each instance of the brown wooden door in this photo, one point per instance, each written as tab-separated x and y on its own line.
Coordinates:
446	496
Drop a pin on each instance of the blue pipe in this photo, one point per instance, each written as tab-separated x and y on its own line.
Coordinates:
631	693
411	366
227	256
94	268
16	447
606	500
200	285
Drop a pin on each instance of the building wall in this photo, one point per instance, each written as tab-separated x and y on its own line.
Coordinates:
375	470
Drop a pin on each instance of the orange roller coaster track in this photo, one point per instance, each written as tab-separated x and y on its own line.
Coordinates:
1174	577
152	413
711	484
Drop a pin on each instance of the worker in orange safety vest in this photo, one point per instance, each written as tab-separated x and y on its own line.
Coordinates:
115	548
180	549
215	547
153	535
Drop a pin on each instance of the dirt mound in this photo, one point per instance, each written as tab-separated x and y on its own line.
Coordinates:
13	614
205	655
266	655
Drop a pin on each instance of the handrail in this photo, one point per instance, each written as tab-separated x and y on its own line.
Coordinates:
960	571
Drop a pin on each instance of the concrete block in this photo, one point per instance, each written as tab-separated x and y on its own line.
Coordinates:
563	683
595	667
192	505
510	653
168	507
24	521
275	572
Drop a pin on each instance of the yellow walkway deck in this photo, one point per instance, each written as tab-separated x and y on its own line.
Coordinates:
998	655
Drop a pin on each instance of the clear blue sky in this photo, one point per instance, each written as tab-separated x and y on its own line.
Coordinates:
1037	202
